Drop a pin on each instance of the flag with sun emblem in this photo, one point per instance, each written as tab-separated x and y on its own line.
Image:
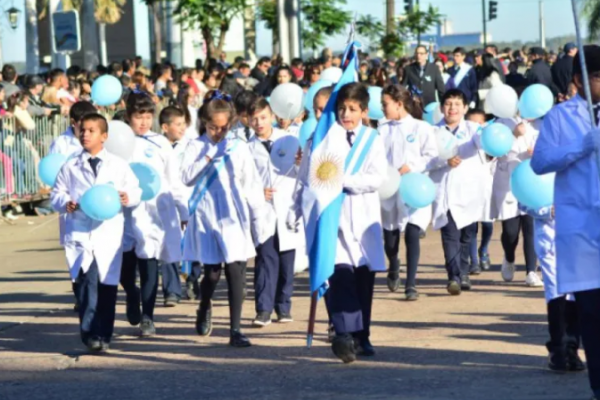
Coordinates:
322	199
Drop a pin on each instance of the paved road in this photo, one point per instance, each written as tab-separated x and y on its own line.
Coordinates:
485	344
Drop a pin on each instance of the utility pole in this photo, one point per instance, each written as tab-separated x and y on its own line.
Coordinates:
542	26
390	13
484	23
418	33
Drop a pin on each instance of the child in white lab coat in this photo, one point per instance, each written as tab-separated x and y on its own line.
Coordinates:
359	249
277	156
225	209
410	146
93	248
242	103
153	229
460	196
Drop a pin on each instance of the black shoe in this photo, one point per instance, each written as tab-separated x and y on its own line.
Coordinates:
411	294
453	288
343	348
192	290
574	363
94	344
422	234
330	333
134	311
393	282
484	262
465	282
557	362
76	306
262	319
204	320
147	328
363	347
171	300
284	318
475	270
238	339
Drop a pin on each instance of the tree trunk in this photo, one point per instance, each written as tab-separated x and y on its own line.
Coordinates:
249	31
210	44
157	31
222	35
89	36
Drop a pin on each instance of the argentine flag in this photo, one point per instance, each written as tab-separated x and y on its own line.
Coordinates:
322	199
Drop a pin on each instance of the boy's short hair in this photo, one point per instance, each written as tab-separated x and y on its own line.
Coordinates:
355	92
475	111
324	92
169	113
454	94
96	118
460	50
259	104
80	109
243	100
125	80
140	103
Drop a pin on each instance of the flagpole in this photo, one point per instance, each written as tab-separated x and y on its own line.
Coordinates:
311	319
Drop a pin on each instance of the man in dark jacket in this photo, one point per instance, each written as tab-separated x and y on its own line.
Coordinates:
540	71
260	71
463	76
562	70
493	50
425	77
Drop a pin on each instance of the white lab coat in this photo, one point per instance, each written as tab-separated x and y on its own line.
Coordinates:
155	225
69	146
460	190
222	227
407	141
360	234
279	171
87	239
239	132
489	166
564	147
191	131
504	203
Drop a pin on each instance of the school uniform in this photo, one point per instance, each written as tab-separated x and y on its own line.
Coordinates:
154	227
93	248
459	200
240	131
407	142
565	147
274	266
226	207
505	205
479	255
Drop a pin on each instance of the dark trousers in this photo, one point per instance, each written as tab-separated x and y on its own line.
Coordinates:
170	280
274	277
487	230
148	269
351	299
588	305
456	243
236	285
412	240
97	304
563	325
510	240
195	273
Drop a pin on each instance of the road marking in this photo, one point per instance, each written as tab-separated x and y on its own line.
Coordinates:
44	224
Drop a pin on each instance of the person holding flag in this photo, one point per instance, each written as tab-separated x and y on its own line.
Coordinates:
343	166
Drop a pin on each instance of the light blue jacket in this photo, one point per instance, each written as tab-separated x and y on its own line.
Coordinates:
562	147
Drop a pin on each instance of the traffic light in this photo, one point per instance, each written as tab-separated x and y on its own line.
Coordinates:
493	10
408	6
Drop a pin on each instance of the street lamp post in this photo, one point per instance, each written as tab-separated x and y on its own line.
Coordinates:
13	19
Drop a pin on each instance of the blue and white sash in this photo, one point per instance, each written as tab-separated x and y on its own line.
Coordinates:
365	150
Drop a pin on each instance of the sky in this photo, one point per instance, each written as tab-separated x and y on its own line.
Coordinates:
517	20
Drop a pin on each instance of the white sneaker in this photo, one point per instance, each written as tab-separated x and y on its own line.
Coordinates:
533	280
508	271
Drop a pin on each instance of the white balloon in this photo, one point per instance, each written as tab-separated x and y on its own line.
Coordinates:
333	74
390	185
502	101
121	139
446	143
287	100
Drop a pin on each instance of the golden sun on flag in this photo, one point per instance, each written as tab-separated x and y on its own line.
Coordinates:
326	172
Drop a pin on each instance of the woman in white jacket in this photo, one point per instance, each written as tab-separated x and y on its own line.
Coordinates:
409	146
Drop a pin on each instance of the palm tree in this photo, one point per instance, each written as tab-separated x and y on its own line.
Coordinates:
250	30
107	12
591	11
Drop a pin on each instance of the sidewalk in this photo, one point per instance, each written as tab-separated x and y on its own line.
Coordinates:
484	344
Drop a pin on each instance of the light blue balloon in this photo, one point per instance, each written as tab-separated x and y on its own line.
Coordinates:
101	202
532	190
309	98
497	139
429	112
49	167
149	180
306	130
536	101
375	107
106	90
417	190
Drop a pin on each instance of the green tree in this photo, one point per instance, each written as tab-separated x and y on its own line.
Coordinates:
321	19
371	29
213	17
418	22
591	11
